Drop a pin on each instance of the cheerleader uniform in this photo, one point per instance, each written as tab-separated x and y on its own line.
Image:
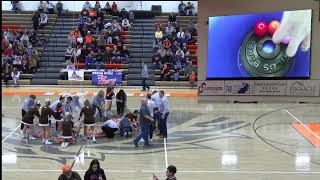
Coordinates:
46	112
29	116
67	126
88	116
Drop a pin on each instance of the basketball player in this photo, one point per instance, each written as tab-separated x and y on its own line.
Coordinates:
46	112
27	120
89	120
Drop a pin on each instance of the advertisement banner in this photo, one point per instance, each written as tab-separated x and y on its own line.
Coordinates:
303	88
239	87
76	75
104	78
211	88
270	87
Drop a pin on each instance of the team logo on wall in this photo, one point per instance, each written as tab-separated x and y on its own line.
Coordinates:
239	87
303	88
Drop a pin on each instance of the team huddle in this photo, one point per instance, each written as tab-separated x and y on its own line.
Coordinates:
67	113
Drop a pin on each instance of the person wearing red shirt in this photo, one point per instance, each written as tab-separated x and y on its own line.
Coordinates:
167	43
88	39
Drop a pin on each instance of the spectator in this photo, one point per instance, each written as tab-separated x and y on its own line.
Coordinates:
35	20
131	16
97	6
175	46
166	43
33	64
76	32
190	9
116	58
172	18
124	14
109	37
89	62
88	39
158	36
162	52
17	63
107	8
50	7
171	171
108	54
100	59
15	6
169	57
68	174
109	127
87	6
101	42
180	53
7	73
169	30
181	36
182	9
114	9
25	64
99	25
15	76
121	100
156	60
43	6
69	53
43	19
95	172
59	7
165	74
125	24
72	39
80	40
125	54
144	76
176	70
192	78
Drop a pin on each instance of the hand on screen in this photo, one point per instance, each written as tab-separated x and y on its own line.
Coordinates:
297	26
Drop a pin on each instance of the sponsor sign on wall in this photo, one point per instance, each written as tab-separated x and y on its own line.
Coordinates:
76	75
239	87
213	88
270	88
303	88
104	78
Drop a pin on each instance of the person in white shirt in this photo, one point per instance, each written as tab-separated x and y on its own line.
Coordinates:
15	76
156	99
43	19
80	40
110	127
151	106
164	111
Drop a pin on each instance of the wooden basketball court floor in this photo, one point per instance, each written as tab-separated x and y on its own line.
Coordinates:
205	142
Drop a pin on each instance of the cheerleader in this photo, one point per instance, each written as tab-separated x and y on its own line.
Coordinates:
46	112
57	114
67	133
89	121
27	120
109	97
27	105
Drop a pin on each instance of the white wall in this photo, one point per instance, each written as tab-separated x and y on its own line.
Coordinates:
167	6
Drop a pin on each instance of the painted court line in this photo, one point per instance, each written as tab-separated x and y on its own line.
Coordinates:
165	151
10	133
151	171
304	125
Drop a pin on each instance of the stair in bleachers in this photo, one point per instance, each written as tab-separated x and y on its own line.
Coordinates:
141	51
53	59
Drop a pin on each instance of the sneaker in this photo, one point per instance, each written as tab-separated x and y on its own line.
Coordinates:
43	141
48	142
32	138
141	140
94	140
135	143
151	140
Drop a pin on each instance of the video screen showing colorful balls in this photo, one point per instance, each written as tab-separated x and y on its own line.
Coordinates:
262	45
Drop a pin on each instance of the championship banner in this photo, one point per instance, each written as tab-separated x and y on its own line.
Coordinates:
270	87
104	78
239	87
303	88
76	75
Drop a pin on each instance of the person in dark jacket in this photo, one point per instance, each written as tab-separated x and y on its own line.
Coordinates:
68	174
121	99
95	172
46	112
35	20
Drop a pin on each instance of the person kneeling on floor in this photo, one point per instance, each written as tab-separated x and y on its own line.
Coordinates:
125	124
109	127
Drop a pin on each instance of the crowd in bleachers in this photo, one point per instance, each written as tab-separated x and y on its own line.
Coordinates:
186	9
97	41
171	49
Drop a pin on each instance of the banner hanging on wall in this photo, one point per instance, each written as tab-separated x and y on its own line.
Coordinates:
76	75
104	78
